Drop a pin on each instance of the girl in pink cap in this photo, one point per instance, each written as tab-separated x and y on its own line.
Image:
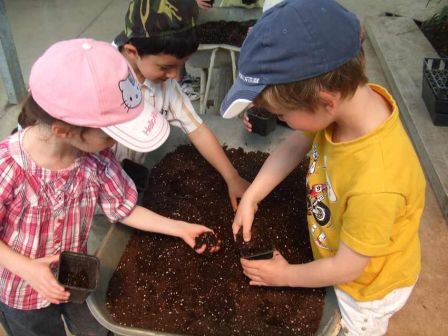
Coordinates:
83	99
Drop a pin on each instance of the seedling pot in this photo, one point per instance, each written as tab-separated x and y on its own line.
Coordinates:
262	121
79	274
259	256
435	89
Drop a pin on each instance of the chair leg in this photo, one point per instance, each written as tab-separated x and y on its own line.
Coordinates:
209	77
202	91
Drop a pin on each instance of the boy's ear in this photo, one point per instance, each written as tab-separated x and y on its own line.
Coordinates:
130	51
329	100
61	130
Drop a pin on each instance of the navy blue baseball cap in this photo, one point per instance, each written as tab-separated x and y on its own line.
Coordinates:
292	41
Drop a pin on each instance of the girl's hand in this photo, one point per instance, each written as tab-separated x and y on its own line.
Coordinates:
204	4
244	217
189	232
272	272
39	276
236	188
246	122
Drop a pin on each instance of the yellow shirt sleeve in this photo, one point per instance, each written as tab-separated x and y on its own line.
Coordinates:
368	222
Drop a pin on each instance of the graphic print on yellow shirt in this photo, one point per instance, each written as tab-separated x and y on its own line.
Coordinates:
316	202
369	193
318	197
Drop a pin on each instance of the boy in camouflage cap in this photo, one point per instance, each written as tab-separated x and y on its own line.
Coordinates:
158	39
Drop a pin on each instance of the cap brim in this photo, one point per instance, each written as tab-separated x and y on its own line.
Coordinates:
145	133
240	95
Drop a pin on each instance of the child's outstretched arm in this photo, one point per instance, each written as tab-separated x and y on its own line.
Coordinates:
207	144
36	272
147	220
345	266
277	166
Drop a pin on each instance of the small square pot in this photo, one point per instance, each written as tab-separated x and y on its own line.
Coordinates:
258	248
259	256
262	121
435	89
79	274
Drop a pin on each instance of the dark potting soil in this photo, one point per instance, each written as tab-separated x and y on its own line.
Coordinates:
75	279
163	285
207	238
224	32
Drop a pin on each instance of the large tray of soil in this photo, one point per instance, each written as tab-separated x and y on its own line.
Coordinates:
161	287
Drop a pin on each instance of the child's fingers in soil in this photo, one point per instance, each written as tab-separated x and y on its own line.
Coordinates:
201	249
215	248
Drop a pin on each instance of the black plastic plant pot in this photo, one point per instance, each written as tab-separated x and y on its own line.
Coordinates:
435	89
79	274
258	248
137	172
261	120
259	256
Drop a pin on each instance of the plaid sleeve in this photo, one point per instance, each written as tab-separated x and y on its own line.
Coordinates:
118	195
6	180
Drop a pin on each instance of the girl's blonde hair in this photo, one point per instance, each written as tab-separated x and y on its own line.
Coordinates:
304	94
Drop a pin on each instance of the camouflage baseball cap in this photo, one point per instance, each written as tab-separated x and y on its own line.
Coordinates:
146	18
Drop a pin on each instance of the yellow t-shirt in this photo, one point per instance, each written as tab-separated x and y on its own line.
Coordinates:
370	194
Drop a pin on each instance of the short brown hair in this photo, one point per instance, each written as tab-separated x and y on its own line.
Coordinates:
305	93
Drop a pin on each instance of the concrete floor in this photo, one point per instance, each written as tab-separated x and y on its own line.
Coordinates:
38	24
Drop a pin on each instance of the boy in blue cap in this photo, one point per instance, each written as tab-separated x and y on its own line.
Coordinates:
158	39
304	60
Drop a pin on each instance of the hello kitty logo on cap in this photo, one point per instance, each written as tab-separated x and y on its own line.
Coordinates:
130	92
144	133
98	89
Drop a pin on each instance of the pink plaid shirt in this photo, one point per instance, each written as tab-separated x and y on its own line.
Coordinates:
44	212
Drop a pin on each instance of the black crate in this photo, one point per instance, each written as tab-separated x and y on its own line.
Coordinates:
79	274
261	120
435	89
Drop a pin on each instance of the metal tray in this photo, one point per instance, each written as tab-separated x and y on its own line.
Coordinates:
231	133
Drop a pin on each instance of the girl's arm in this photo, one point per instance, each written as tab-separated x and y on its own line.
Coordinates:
36	272
275	169
345	266
208	145
147	220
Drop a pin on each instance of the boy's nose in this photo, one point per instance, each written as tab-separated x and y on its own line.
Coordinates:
174	73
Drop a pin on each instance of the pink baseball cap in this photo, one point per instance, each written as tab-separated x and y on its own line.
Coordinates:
88	83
